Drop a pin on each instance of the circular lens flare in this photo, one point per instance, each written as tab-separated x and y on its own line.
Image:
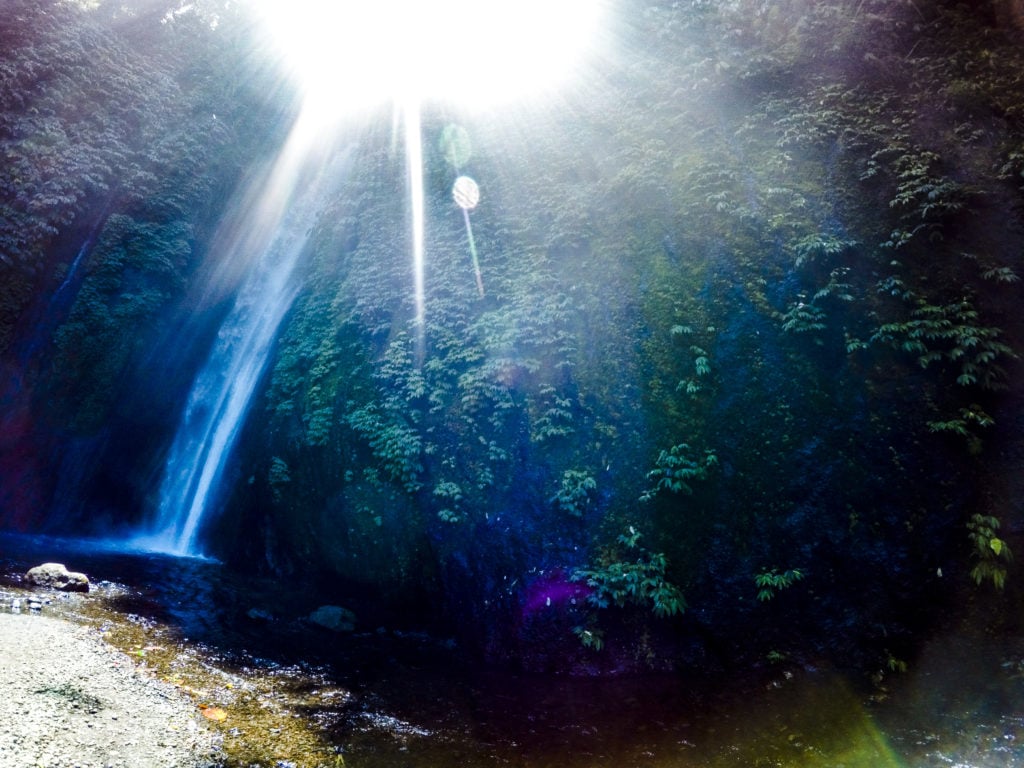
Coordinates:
466	193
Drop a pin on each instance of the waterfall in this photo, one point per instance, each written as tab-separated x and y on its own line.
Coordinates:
272	230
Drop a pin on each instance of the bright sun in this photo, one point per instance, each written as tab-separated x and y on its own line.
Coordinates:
353	53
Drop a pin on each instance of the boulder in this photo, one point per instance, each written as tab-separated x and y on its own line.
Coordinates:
334	618
57	576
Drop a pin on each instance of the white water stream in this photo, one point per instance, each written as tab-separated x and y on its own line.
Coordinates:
271	230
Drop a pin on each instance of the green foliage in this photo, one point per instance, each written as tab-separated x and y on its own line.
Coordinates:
831	143
836	287
959	426
676	468
989	270
576	492
450	494
590	636
895	665
969	419
639	580
770	581
555	416
828	142
134	271
819	247
1000	274
803	317
991	553
99	117
809	316
925	199
278	476
701	362
951	333
396	446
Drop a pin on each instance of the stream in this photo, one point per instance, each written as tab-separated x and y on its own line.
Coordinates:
288	693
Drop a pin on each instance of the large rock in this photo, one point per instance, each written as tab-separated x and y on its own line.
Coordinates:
57	576
334	617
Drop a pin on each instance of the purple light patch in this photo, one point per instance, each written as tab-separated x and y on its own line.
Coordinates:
551	591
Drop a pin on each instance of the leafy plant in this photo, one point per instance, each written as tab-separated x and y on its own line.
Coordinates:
951	332
617	581
279	475
701	362
894	664
991	553
972	416
450	495
809	316
768	582
819	246
803	317
590	635
676	468
575	493
555	417
924	197
396	446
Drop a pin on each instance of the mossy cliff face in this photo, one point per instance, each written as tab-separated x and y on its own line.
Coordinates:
123	131
750	310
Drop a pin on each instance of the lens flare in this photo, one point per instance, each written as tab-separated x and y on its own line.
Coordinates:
349	56
478	52
466	194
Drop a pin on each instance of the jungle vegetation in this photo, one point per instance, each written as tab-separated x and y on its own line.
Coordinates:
752	294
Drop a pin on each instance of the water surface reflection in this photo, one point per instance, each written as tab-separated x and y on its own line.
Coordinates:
410	700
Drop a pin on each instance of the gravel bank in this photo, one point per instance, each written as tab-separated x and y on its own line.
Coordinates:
68	700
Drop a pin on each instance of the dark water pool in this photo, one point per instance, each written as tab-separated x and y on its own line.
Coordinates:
411	700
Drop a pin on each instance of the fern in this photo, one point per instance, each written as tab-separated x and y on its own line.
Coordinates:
951	332
576	491
639	581
675	469
768	582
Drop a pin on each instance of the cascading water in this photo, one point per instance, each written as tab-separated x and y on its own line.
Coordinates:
274	229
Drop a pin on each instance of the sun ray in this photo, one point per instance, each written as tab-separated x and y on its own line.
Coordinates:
414	163
349	57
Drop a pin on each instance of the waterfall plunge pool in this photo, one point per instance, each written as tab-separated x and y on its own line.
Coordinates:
290	693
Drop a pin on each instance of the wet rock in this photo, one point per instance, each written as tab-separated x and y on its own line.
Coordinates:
334	618
57	576
259	615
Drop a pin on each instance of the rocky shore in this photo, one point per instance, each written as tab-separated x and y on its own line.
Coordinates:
69	700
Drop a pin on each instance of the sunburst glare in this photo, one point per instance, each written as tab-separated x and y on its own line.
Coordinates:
348	55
